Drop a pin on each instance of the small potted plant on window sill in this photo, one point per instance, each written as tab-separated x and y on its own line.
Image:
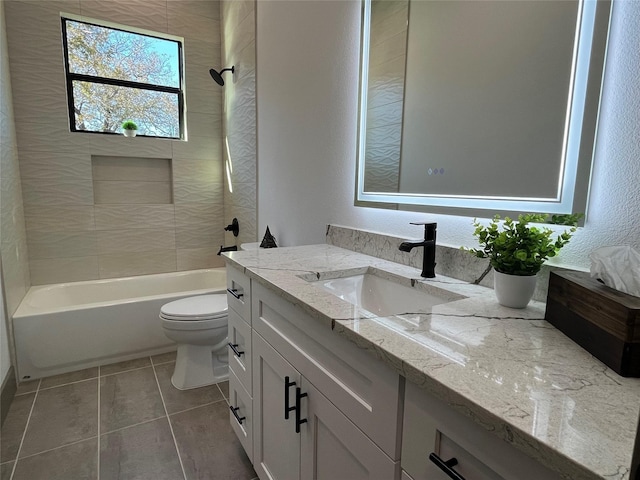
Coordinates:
129	128
517	251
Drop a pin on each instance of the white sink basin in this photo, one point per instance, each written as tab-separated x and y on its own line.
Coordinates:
380	296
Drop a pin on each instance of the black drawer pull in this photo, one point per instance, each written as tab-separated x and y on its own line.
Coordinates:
234	410
446	467
287	408
235	293
299	421
234	347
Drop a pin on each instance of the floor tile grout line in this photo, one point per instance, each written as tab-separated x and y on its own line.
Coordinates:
93	378
98	452
24	434
175	442
57	448
221	392
125	371
39	387
134	425
32	391
154	364
197	406
67	384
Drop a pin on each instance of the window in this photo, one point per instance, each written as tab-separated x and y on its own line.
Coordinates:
115	75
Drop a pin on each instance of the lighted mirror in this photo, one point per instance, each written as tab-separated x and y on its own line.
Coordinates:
469	106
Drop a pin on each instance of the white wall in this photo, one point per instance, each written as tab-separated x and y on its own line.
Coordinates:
307	83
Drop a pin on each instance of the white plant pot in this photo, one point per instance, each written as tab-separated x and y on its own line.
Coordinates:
129	133
514	291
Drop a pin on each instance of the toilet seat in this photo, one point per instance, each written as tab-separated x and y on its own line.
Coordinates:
182	325
199	308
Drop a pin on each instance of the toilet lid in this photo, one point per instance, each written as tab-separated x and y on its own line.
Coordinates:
201	307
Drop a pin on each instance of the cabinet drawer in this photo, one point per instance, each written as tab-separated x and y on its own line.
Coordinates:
240	350
239	293
431	426
366	391
467	465
242	424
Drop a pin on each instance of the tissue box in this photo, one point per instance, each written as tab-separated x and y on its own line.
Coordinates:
603	321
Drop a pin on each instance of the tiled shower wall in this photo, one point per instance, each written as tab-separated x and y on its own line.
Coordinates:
13	238
239	117
71	238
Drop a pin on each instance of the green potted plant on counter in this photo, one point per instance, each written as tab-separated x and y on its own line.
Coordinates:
517	251
129	128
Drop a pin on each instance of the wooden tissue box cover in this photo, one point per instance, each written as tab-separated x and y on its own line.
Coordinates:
604	321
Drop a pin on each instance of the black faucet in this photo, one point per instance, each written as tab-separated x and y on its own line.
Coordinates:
232	248
429	244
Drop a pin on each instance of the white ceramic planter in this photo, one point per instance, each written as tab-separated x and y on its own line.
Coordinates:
514	291
129	133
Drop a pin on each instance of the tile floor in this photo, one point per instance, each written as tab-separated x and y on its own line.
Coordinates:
123	421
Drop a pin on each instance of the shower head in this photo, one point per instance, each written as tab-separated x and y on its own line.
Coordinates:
217	76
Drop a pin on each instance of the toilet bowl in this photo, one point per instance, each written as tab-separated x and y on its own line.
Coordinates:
199	326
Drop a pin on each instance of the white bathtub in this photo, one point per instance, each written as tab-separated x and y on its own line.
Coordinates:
70	326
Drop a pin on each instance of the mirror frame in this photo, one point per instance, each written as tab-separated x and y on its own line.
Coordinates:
590	49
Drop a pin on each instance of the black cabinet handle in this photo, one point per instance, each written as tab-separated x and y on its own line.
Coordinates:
234	410
234	347
446	467
299	421
235	293
287	408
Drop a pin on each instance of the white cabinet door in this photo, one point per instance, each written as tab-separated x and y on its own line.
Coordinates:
364	389
333	448
276	452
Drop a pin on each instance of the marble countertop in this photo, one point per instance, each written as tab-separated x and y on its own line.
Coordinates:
509	370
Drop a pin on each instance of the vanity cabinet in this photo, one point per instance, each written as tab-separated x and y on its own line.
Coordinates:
309	404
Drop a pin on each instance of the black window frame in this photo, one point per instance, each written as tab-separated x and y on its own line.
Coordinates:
70	77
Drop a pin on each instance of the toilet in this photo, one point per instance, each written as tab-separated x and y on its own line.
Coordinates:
199	326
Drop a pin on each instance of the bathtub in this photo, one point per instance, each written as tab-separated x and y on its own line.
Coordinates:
70	326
